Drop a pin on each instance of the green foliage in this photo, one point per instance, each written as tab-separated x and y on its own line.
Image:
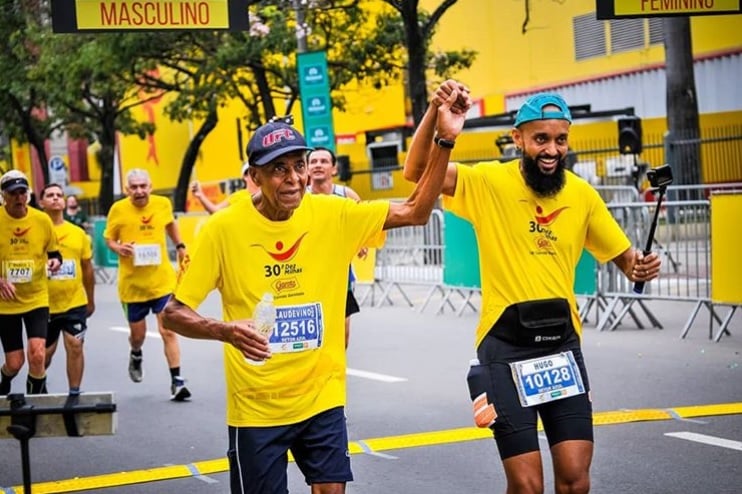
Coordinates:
19	93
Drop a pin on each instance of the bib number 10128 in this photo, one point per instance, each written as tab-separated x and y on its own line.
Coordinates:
546	379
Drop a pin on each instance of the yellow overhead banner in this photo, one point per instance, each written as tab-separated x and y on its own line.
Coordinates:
612	9
148	15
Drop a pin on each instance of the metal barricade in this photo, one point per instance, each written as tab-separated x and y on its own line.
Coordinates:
684	246
618	193
411	256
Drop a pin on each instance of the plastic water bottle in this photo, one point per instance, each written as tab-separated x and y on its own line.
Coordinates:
264	319
479	383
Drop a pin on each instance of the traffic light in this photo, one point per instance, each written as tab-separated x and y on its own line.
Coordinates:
343	165
630	135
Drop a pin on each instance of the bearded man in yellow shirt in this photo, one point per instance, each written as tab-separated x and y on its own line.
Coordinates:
135	230
269	245
71	289
28	248
532	219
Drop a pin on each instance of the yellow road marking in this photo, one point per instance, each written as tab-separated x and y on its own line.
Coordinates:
434	438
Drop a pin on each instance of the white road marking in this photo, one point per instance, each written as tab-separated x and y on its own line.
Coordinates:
374	376
703	438
366	449
124	329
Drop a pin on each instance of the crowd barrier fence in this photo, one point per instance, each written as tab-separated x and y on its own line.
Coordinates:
440	258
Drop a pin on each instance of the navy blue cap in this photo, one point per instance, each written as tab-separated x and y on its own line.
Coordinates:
272	140
533	109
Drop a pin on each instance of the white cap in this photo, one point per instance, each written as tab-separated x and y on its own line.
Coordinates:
12	180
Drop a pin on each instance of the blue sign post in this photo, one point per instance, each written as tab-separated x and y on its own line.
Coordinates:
316	105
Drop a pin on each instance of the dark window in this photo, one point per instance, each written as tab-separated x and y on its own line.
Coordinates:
656	33
589	36
627	34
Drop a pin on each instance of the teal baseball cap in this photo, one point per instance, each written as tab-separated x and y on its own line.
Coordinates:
533	109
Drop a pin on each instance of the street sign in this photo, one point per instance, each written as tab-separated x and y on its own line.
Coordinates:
58	172
620	9
72	16
316	105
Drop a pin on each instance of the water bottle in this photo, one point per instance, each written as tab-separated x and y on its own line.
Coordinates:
479	383
264	319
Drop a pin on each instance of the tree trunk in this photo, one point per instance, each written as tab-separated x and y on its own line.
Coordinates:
37	142
682	102
189	159
416	50
32	135
264	88
106	156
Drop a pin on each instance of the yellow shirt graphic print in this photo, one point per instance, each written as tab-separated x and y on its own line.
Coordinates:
147	274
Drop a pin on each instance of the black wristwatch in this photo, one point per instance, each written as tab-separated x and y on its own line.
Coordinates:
179	246
444	143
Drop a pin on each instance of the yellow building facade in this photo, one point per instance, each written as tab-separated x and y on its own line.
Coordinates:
561	47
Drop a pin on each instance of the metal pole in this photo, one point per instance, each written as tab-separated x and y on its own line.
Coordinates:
301	32
26	465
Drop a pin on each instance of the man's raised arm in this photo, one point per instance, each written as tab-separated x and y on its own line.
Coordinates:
450	114
423	141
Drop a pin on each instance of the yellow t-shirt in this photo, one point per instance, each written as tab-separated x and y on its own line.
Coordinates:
529	246
24	244
66	290
303	262
238	196
148	274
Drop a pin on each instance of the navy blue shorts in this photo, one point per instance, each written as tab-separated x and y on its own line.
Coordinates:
515	426
137	311
74	322
258	456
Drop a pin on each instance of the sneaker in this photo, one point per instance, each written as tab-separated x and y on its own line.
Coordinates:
178	390
135	368
72	400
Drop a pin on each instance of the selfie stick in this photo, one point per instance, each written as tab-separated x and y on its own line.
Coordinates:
639	285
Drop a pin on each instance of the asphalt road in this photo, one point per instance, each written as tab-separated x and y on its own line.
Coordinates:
408	411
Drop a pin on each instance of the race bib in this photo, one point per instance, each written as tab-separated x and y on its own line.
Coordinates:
68	271
298	328
147	255
544	379
19	271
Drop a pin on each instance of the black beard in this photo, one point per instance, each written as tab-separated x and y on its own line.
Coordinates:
542	184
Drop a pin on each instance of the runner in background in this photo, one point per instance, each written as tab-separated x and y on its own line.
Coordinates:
241	194
71	289
136	230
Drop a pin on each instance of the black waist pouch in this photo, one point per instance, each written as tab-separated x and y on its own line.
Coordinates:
536	323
